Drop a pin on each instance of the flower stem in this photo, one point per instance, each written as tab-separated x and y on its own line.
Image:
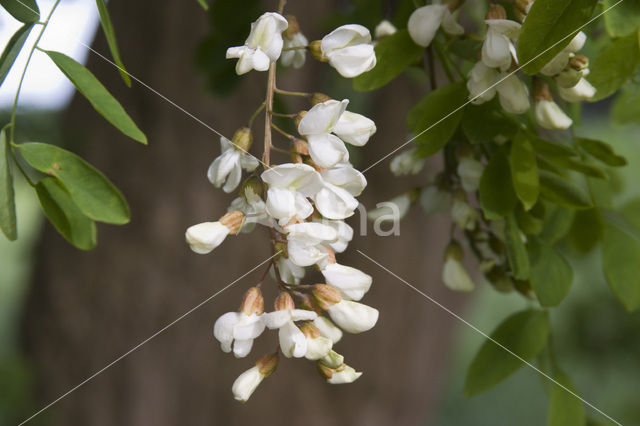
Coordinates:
287	49
255	114
289	93
282	132
268	118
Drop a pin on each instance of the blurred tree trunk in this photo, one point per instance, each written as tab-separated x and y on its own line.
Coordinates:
86	309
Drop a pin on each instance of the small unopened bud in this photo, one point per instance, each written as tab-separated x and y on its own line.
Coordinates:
325	371
284	302
332	255
300	146
242	139
315	47
541	90
496	12
326	295
233	220
308	303
298	118
293	28
332	360
253	302
267	364
524	288
340	375
310	330
252	186
499	279
579	62
521	9
318	98
568	78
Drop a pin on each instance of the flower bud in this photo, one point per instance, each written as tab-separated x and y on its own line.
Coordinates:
341	375
353	317
242	139
318	98
384	29
318	346
204	237
550	116
579	62
568	78
521	9
454	274
499	279
300	146
310	330
293	28
252	302
246	384
233	221
252	186
298	118
284	302
267	364
496	12
326	295
470	171
315	47
332	360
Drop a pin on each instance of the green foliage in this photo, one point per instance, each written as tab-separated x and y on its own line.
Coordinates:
97	95
621	262
524	170
12	49
622	18
551	274
550	26
23	10
516	250
602	151
614	66
557	223
203	4
109	32
7	196
436	117
89	189
565	409
394	54
626	107
524	333
563	192
587	230
483	123
497	196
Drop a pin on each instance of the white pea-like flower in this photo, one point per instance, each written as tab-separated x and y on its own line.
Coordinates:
484	82
305	242
513	94
226	170
293	342
244	386
550	116
407	163
352	283
349	50
425	21
325	149
318	346
204	237
354	129
328	329
343	375
237	330
463	214
353	317
470	171
392	210
289	272
263	45
582	91
341	184
434	200
498	48
296	55
344	232
289	187
384	29
560	61
454	274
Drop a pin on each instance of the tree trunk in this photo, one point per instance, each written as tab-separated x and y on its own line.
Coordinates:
86	309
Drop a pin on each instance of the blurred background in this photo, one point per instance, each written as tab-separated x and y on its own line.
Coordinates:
65	314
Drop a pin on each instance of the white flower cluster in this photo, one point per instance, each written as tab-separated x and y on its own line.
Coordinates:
304	206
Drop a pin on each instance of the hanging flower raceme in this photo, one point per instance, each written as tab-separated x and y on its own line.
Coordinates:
348	49
425	21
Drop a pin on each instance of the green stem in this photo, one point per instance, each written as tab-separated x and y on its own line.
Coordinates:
255	114
445	62
289	93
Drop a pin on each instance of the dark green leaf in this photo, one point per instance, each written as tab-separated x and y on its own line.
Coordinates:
601	193
484	123
92	192
565	409
7	195
64	215
466	49
530	222
563	192
497	196
549	27
99	97
621	263
602	151
580	167
587	230
524	333
110	34
631	212
394	53
516	250
557	224
23	10
524	170
551	274
204	4
621	18
551	149
12	49
436	117
626	107
614	66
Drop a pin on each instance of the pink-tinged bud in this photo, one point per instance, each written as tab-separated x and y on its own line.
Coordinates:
298	118
300	146
341	375
233	220
579	62
318	98
326	295
315	47
242	139
541	90
253	302
496	12
267	364
284	302
310	330
293	28
521	9
326	372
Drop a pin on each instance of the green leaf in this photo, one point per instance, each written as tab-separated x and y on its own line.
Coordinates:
565	409
621	263
92	192
466	49
7	195
516	250
550	26
530	222
551	149
204	4
12	50
614	66
524	333
110	34
483	123
622	19
497	196
394	54
587	230
551	274
95	92
631	212
436	117
557	223
64	215
579	166
23	10
626	106
563	192
602	151
524	171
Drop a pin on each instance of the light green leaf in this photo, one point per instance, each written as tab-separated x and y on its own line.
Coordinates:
631	212
626	106
7	195
551	149
550	26
587	230
430	114
602	151
530	222
524	170
565	409
483	123
557	223
110	34
516	250
623	18
394	54
614	66
12	50
524	333
580	167
621	263
64	215
100	98
204	4
497	196
92	192
23	10
551	274
563	192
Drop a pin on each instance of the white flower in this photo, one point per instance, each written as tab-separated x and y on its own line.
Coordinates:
263	45
353	317
392	210
425	21
560	61
344	232
470	171
292	340
463	215
326	150
333	359
204	237
355	129
351	282
304	242
238	329
246	383
289	187
296	56
253	207
407	163
341	184
484	82
328	329
227	168
455	276
343	375
550	116
582	91
434	200
317	347
498	46
513	94
349	50
384	29
289	272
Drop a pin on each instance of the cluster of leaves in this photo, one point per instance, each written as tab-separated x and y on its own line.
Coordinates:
550	187
72	193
